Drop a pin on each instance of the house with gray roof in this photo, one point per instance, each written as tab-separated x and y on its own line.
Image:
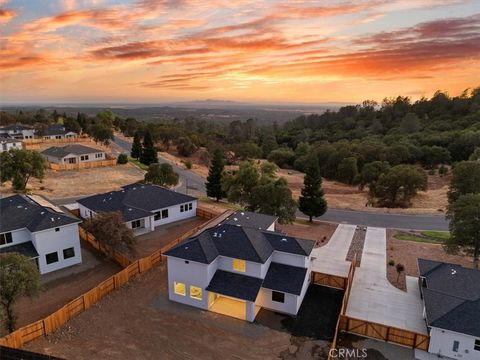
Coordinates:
451	298
49	237
8	143
73	154
58	131
18	131
236	269
143	206
251	219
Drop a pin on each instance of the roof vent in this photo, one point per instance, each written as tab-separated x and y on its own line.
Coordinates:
42	212
19	206
242	213
129	209
284	239
454	271
214	234
186	247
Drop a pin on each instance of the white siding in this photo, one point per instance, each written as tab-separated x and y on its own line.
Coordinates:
8	145
290	259
85	212
18	237
174	214
264	299
49	241
441	342
252	268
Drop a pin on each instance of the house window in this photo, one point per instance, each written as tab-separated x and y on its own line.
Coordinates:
156	216
278	297
455	346
136	224
58	137
239	265
477	345
99	155
68	253
190	206
181	208
84	157
6	238
57	229
195	293
164	213
179	288
51	258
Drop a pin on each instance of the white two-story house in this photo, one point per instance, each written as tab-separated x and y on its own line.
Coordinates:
451	298
18	131
143	206
47	236
236	270
8	143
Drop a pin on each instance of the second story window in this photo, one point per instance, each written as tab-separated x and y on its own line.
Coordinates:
6	238
239	265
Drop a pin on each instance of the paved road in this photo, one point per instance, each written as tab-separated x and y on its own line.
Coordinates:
196	186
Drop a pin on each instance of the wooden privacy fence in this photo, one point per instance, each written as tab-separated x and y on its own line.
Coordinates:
52	322
337	282
29	144
83	165
346	295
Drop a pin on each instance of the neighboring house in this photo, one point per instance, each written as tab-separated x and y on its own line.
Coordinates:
18	131
451	298
73	154
7	143
143	206
251	219
48	237
57	131
236	270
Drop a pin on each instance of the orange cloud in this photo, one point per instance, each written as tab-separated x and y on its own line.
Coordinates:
6	15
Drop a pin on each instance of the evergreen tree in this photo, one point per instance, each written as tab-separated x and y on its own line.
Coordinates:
149	153
136	146
214	179
312	202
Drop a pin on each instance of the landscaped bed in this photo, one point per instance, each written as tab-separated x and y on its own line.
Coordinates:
406	252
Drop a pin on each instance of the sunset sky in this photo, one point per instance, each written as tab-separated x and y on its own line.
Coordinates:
292	51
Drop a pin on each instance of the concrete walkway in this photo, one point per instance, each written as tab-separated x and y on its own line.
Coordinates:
330	259
372	296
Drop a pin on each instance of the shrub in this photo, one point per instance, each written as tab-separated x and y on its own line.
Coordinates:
187	163
391	262
122	159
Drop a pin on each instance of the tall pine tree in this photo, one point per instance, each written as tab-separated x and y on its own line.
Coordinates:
312	202
149	153
136	146
214	179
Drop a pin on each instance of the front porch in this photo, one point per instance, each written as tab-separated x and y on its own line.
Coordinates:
235	308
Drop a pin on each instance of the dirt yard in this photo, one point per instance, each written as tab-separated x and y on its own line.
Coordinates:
407	253
321	232
64	285
139	322
150	242
60	184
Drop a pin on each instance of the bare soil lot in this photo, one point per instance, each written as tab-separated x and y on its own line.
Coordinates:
139	322
163	235
321	232
64	285
60	184
407	252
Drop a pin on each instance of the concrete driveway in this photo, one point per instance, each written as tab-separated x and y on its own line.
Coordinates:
372	296
330	259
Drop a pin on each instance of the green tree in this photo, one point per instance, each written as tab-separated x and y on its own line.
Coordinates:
122	159
136	151
283	157
161	174
238	186
214	178
248	150
19	165
312	201
18	277
269	143
399	185
465	180
410	123
475	155
347	170
464	216
185	146
101	133
111	232
370	174
149	153
72	125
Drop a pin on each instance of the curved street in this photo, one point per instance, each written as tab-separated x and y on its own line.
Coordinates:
195	185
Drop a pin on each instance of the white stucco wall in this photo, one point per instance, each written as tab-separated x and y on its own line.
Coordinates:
193	273
252	268
174	214
85	212
18	237
7	146
441	342
264	299
49	241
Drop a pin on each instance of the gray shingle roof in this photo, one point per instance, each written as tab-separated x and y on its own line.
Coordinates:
17	127
18	212
235	285
250	219
285	278
27	249
135	201
56	129
238	242
61	152
452	296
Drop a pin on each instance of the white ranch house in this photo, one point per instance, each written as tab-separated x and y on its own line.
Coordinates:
236	269
73	154
57	131
45	235
143	206
451	299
